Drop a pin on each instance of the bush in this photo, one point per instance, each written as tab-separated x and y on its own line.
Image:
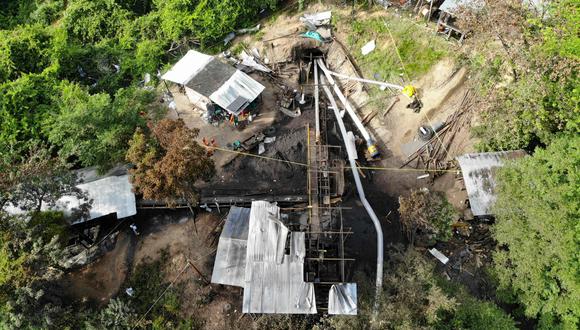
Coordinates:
477	315
537	212
426	216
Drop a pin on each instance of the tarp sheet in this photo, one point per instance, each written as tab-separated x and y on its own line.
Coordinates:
479	177
342	299
230	261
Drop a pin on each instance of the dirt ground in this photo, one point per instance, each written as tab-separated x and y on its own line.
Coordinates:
225	133
101	280
185	240
441	91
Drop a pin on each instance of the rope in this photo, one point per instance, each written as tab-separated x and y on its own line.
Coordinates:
162	294
307	166
409	80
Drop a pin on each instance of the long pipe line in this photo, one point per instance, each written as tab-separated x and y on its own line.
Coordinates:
368	81
361	193
344	102
316	106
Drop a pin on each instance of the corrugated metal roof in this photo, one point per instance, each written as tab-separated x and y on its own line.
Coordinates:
478	175
239	85
273	281
112	194
211	77
342	299
187	67
226	86
230	261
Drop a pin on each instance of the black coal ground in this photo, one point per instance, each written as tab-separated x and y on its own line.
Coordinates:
252	176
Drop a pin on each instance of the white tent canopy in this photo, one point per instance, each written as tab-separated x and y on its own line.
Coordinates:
187	67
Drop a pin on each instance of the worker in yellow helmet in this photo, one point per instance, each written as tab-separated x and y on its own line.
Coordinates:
409	90
411	93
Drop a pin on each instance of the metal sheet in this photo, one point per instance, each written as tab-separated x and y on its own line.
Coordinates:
110	195
230	261
478	175
239	85
451	6
274	281
187	67
342	299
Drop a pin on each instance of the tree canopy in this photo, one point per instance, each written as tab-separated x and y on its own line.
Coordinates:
537	229
71	72
168	162
530	82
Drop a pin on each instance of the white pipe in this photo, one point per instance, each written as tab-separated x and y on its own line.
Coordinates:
316	107
346	104
361	193
368	81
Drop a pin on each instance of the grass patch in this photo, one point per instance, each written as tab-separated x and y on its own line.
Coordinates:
418	48
148	281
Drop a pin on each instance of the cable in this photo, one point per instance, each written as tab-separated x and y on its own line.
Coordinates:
162	294
257	156
409	80
307	166
402	169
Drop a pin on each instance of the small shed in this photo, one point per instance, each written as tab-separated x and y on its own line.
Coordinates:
479	177
111	194
448	11
259	253
209	82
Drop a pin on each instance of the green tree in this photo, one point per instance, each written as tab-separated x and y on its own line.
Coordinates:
24	104
537	210
534	95
411	297
473	314
24	50
95	128
29	273
91	21
426	217
38	182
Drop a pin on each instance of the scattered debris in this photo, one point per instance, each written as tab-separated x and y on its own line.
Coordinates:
318	19
313	35
270	139
130	292
433	154
440	256
134	229
249	30
368	47
251	62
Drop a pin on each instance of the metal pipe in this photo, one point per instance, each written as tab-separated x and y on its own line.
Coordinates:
353	115
352	159
316	106
344	101
368	81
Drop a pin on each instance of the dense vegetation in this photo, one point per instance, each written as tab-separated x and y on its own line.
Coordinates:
77	89
71	71
526	66
537	228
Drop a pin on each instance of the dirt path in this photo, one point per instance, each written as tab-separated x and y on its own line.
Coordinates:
100	281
